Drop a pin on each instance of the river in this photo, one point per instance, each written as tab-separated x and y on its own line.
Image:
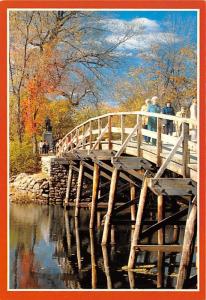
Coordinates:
50	249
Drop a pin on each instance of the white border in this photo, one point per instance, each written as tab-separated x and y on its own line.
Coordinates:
8	157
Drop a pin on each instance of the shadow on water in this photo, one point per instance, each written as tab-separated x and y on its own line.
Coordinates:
50	249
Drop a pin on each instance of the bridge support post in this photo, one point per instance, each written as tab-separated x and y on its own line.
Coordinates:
188	248
94	195
160	236
136	234
133	207
79	187
112	193
69	184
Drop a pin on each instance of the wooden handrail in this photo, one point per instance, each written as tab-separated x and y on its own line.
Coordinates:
141	113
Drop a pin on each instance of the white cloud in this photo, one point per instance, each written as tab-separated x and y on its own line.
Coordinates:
122	26
145	32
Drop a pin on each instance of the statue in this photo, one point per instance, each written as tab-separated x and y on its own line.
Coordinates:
48	124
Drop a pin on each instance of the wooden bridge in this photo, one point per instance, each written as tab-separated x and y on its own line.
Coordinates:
110	150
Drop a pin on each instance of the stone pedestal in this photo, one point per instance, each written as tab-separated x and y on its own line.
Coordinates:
47	136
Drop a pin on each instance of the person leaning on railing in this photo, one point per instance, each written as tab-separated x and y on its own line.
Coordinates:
145	118
168	124
154	107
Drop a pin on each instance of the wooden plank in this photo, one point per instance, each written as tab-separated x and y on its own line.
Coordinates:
118	221
161	248
173	186
131	163
101	154
110	169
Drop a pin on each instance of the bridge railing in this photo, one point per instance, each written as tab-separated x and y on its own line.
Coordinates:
124	128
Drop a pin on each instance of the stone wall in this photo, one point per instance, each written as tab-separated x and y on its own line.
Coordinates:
50	185
30	188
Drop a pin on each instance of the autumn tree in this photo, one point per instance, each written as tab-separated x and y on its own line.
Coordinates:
166	69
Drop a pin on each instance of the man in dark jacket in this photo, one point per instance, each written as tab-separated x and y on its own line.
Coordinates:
168	110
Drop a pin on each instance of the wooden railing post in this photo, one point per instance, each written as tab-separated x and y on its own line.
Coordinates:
90	135
71	136
185	150
139	135
109	132
159	142
83	133
77	134
99	131
122	119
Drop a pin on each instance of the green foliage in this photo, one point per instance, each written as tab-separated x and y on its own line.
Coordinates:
22	158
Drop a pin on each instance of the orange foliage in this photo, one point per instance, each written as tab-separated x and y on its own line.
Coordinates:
34	105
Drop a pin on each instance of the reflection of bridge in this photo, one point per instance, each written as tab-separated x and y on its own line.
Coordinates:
112	147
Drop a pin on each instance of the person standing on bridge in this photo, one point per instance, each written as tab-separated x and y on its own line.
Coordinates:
154	107
193	116
181	114
168	110
144	108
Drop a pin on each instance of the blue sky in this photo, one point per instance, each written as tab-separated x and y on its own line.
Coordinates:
156	30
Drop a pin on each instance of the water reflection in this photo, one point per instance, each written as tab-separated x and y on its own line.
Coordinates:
50	249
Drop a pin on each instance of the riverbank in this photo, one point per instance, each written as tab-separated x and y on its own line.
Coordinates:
25	188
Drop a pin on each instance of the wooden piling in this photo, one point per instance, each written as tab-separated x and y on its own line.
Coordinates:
113	236
93	260
78	243
112	193
161	238
94	195
68	232
69	184
160	217
188	248
133	207
98	219
142	200
106	266
79	187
